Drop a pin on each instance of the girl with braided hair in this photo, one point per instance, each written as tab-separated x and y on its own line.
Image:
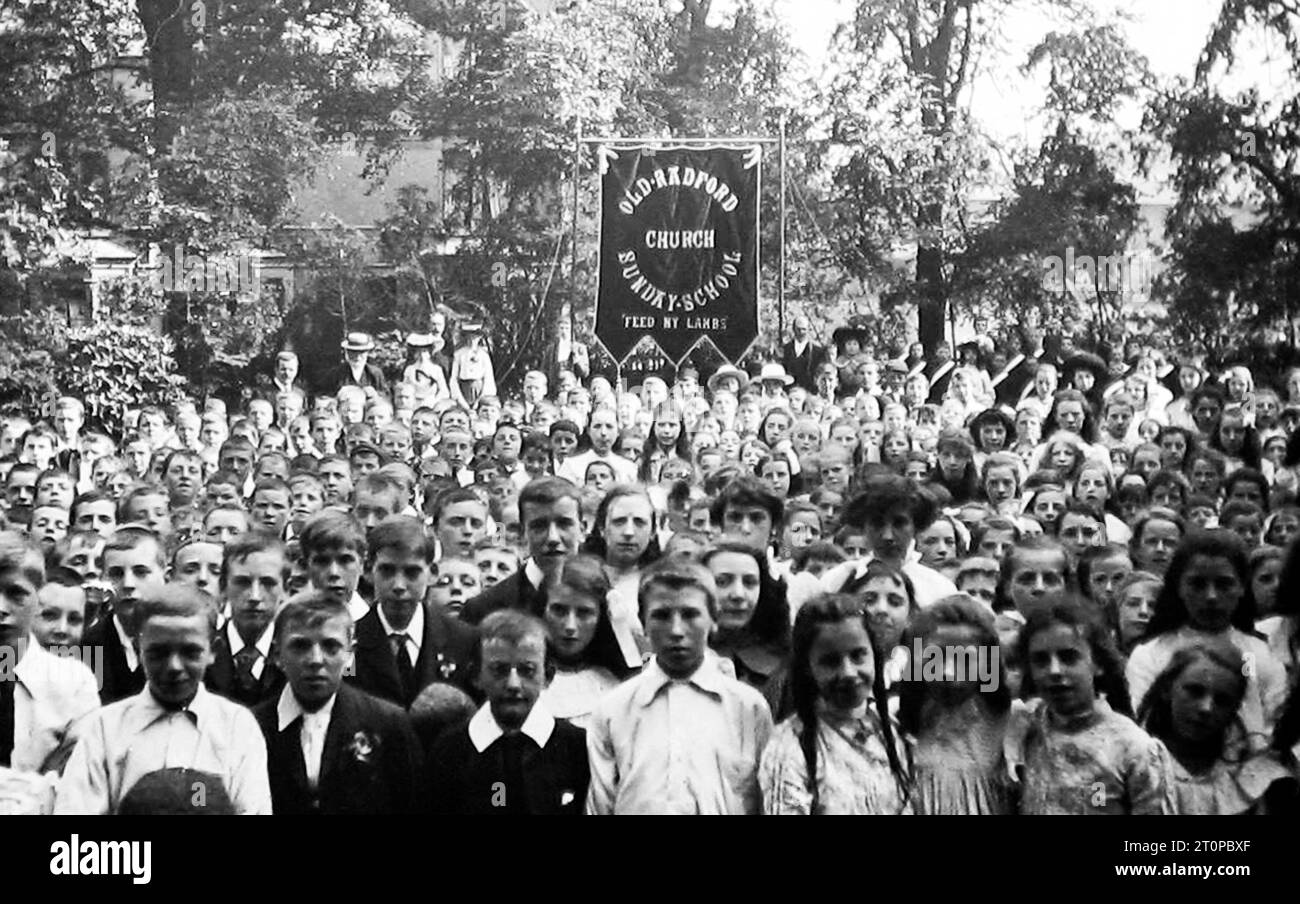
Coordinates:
839	753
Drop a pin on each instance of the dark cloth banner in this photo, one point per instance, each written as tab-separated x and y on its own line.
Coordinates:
678	248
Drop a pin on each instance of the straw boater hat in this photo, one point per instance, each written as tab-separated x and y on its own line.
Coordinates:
420	340
728	370
774	373
358	342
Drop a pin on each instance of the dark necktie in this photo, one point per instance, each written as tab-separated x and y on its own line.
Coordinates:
405	668
245	659
512	754
7	684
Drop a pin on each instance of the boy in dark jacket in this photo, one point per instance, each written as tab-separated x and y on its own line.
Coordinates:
513	757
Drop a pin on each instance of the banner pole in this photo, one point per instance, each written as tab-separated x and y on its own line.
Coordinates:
780	266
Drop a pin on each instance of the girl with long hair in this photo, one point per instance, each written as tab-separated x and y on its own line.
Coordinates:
668	440
957	722
753	623
1207	593
1081	752
839	753
585	650
1217	767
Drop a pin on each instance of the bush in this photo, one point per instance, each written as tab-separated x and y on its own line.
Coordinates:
114	366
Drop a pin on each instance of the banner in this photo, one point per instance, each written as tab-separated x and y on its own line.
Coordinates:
678	248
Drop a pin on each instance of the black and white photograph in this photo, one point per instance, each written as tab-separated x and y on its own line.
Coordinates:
430	408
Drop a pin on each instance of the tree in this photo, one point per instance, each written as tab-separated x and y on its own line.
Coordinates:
900	143
1234	266
1060	243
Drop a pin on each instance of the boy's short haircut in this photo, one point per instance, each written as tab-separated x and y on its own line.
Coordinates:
817	552
797	507
310	608
376	483
401	533
1239	508
132	536
513	627
18	552
270	483
535	442
548	491
302	477
1200	500
331	529
566	425
333	458
495	542
451	497
22	468
454	409
981	565
74	537
227	478
236	444
304	463
139	491
677	575
400	472
174	600
63	577
52	472
251	543
89	498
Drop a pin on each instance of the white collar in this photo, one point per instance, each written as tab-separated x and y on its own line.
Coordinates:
357	606
263	643
288	709
414	630
484	730
534	574
128	645
708	678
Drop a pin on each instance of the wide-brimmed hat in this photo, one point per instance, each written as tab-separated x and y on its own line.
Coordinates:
1086	361
999	415
774	373
421	340
845	333
728	370
358	342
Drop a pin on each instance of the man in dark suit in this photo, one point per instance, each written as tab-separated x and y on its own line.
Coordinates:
134	565
513	758
402	644
332	749
254	569
552	524
801	356
357	370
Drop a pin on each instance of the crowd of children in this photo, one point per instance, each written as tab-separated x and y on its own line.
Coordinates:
979	583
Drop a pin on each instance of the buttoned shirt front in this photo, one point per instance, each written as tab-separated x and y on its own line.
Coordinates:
50	694
677	746
125	741
314	727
